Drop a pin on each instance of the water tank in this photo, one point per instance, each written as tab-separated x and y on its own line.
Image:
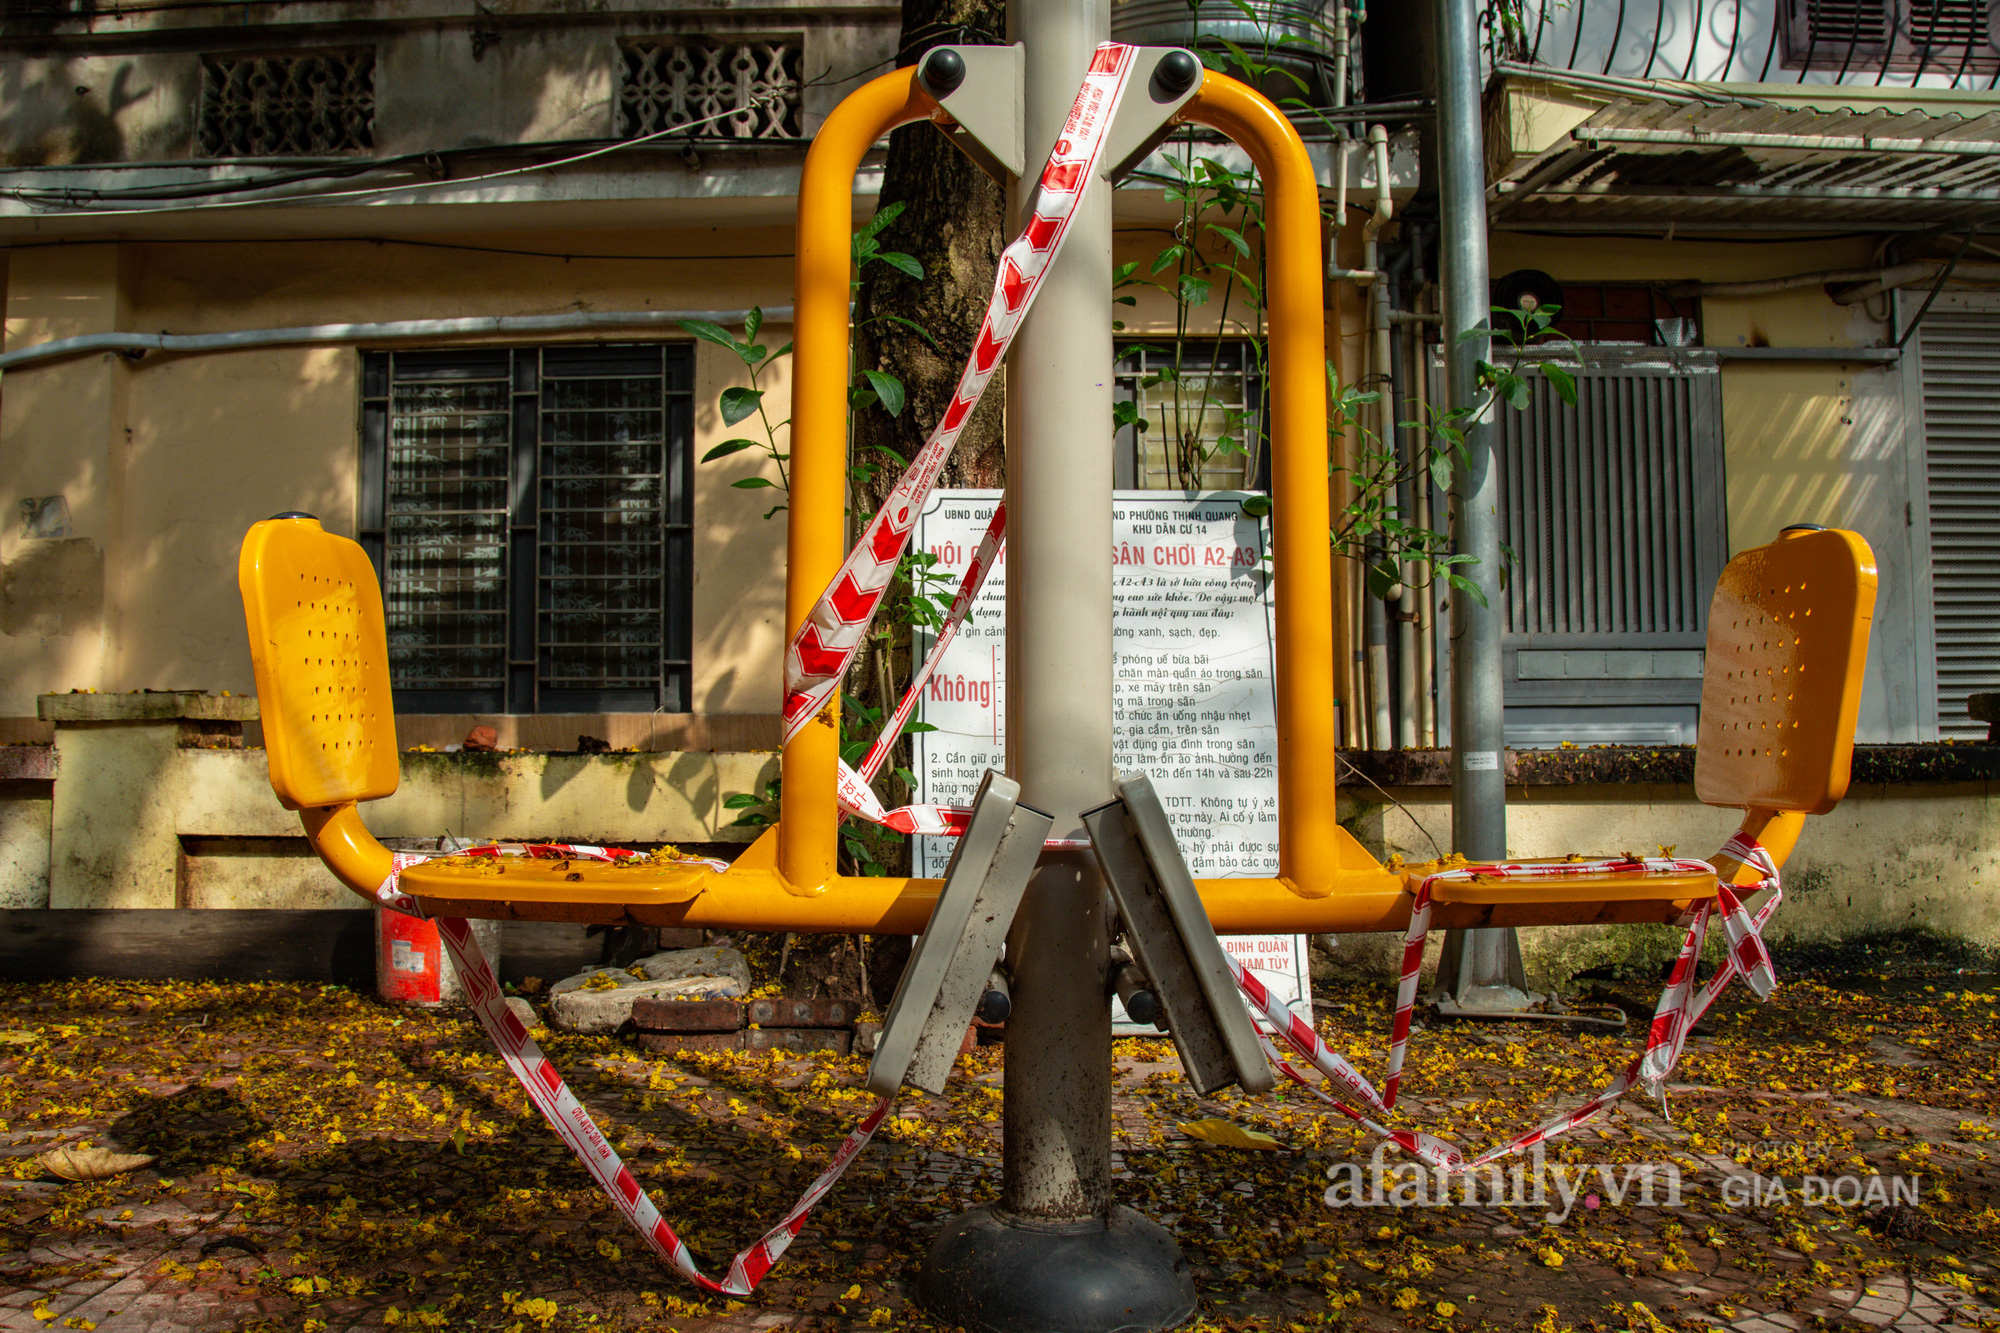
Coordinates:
1294	35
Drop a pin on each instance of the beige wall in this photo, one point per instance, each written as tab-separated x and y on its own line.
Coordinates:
166	461
1887	859
1805	441
549	80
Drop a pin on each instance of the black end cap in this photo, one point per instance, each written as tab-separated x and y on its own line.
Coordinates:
293	513
994	1006
1177	72
942	71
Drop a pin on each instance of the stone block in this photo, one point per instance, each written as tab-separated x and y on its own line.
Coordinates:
574	1006
715	960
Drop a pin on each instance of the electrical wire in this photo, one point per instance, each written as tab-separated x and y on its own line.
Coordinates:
397	240
621	145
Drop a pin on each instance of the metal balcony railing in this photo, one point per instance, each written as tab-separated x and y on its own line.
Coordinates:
1944	44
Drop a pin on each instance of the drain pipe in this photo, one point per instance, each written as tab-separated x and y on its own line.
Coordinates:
1408	684
1379	730
1341	51
136	345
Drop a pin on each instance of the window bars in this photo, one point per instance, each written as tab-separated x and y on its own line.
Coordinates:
530	514
672	82
312	104
1201	415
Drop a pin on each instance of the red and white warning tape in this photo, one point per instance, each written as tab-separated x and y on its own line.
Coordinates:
572	1123
815	664
1679	1008
820	654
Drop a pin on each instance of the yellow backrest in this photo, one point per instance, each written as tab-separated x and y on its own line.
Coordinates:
1787	642
322	663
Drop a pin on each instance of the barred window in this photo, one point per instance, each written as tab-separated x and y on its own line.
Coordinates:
530	515
753	86
1201	412
311	104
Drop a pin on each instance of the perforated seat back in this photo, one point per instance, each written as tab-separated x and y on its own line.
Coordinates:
1787	642
322	662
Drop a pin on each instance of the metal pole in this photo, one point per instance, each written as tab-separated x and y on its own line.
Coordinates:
1479	780
1055	1254
1058	1098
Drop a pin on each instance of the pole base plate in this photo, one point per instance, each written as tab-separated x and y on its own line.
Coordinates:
997	1272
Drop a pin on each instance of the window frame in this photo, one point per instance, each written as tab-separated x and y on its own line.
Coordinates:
1128	465
525	687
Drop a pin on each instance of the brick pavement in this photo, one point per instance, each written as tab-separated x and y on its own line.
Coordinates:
328	1165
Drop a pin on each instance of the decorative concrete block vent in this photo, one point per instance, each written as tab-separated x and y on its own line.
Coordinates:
667	1024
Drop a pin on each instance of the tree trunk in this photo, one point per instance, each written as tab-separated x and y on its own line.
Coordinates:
951	222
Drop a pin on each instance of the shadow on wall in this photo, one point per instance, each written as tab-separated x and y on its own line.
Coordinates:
60	112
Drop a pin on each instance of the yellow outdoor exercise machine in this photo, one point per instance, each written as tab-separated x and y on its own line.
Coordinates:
1786	641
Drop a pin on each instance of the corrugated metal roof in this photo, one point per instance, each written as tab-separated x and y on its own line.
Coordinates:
1657	162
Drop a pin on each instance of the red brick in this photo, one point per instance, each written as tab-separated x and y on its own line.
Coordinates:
785	1012
656	1015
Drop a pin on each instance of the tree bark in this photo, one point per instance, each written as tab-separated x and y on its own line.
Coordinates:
952	223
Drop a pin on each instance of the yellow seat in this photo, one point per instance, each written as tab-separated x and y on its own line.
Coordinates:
1781	687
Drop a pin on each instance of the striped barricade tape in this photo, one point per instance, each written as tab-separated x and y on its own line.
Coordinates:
1680	1006
819	655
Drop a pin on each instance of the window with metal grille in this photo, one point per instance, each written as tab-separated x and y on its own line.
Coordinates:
752	85
310	103
1206	436
530	515
1939	36
1614	513
1960	365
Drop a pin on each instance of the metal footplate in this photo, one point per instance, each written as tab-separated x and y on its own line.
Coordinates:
950	969
1169	934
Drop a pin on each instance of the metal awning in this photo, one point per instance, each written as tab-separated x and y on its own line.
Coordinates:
1735	165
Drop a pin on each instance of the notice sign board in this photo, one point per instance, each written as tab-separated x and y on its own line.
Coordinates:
1193	640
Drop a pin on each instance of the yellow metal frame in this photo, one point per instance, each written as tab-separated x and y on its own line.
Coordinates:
316	639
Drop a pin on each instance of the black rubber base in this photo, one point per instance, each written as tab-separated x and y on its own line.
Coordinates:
994	1272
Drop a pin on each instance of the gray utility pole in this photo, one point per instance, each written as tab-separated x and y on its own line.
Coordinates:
1055	1254
1481	968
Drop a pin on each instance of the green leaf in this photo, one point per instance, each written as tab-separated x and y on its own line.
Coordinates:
902	263
1563	382
888	388
883	217
753	322
860	398
1468	587
741	801
1256	506
728	447
712	333
912	728
915	328
1234	237
738	402
1167	258
1194	290
753	483
786	350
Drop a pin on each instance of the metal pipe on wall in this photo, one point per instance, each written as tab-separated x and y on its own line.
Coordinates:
1381	370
